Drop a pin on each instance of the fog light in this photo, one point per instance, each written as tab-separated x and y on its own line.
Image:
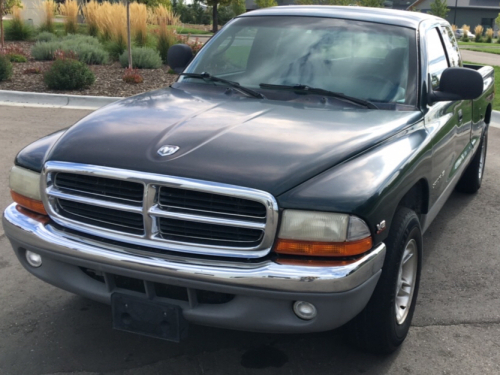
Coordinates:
33	259
304	310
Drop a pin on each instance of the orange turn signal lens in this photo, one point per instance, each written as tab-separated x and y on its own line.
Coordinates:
30	204
323	249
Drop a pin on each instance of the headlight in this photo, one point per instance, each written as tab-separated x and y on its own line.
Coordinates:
25	189
322	234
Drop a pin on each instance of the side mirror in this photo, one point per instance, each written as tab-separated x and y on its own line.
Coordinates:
457	84
179	56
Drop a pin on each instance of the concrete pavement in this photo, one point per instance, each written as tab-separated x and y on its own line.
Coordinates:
456	328
480	57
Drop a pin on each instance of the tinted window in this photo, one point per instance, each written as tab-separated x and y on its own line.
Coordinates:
436	57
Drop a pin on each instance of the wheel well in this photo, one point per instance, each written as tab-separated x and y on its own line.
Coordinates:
417	198
487	115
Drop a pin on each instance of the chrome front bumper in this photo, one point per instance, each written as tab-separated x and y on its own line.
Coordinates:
268	274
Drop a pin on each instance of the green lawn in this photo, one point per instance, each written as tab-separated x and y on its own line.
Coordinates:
485	50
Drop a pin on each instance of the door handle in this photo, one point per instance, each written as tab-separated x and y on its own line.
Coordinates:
460	115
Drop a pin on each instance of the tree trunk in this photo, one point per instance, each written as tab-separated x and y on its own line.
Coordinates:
129	42
2	40
215	26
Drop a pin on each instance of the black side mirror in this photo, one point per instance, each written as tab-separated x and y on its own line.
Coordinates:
179	56
457	84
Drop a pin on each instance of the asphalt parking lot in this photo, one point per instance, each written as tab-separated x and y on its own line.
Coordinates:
456	328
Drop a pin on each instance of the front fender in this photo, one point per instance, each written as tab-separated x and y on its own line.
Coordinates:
369	185
33	156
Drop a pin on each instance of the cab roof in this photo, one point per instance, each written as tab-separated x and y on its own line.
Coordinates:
379	15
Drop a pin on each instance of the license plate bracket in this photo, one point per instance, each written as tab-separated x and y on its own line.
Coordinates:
147	317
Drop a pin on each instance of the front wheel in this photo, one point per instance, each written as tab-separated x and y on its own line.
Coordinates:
384	323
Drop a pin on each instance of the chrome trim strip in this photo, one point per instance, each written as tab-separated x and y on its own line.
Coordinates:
269	275
53	192
155	211
152	182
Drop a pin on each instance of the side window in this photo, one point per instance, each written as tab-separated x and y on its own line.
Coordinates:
451	46
436	57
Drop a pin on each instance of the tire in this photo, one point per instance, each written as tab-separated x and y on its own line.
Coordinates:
471	180
383	324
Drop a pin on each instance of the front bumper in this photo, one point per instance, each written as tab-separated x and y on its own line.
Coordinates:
263	292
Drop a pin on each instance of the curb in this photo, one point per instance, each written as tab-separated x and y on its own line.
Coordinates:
495	119
31	99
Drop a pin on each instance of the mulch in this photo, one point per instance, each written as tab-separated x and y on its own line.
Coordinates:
108	80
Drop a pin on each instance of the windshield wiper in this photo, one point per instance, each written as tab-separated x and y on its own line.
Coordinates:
236	85
314	90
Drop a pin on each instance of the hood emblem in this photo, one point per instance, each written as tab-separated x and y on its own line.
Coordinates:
167	150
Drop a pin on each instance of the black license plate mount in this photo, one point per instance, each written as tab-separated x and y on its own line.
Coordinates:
147	317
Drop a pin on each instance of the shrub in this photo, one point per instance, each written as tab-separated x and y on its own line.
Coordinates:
478	31
48	8
35	70
142	58
91	13
87	48
132	76
43	51
17	29
68	74
5	68
45	36
166	39
16	58
70	10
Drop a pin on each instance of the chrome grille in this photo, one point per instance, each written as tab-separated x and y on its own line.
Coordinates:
161	212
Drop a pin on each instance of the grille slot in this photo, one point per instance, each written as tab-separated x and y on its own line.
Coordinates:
100	187
210	203
182	230
103	217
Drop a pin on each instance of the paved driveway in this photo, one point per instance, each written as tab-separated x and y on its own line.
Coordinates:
44	330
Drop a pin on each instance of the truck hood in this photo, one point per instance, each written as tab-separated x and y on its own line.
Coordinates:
261	144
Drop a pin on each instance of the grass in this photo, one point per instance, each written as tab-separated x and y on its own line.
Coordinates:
187	30
474	44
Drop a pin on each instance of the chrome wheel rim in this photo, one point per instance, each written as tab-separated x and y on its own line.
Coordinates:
482	158
407	278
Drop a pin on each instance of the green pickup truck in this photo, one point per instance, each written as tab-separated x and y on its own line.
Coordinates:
282	184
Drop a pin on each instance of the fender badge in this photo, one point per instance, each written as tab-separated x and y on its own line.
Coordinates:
167	150
381	227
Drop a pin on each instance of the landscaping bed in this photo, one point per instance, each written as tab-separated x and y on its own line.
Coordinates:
108	78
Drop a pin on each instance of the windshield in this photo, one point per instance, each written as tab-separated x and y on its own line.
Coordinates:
361	59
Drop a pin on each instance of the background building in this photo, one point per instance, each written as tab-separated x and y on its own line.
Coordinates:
469	12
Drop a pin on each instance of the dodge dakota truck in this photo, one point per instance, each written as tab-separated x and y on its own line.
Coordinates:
282	184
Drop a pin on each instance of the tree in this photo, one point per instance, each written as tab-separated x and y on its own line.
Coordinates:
5	8
214	4
266	3
439	8
238	7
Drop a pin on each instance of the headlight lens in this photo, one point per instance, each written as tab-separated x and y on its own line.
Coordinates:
25	182
322	234
25	189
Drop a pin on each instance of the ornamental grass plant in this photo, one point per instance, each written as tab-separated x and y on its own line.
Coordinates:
48	9
5	68
17	29
69	9
466	29
91	13
139	23
478	31
142	58
164	17
489	35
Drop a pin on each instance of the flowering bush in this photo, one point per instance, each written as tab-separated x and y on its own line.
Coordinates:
132	76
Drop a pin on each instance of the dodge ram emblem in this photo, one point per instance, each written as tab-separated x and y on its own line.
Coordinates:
167	150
